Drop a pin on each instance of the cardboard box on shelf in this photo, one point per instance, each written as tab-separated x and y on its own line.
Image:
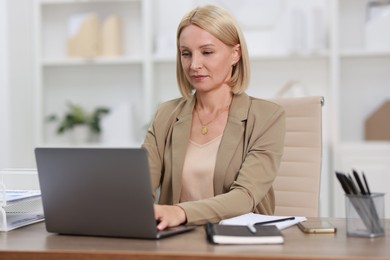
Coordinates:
84	36
377	125
111	36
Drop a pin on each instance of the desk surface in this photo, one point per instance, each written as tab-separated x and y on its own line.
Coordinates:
33	242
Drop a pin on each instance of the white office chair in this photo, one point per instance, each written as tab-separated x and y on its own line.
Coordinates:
297	185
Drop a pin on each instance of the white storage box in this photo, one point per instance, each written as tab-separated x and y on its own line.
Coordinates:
20	198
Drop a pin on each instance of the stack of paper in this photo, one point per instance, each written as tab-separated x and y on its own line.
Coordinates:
19	206
251	219
17	195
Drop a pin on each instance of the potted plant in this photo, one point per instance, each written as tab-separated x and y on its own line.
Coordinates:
77	120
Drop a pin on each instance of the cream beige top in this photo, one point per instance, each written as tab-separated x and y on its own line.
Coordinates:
198	170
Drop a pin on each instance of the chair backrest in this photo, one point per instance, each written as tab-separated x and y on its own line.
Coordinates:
297	185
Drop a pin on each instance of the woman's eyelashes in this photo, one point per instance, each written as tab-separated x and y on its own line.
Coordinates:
189	54
185	54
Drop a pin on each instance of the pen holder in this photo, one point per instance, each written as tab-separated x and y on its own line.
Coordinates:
365	215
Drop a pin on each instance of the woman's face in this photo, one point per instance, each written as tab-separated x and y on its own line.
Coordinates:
207	62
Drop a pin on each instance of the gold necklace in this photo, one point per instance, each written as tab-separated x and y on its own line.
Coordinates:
204	129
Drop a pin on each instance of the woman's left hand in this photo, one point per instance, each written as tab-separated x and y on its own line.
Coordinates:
169	216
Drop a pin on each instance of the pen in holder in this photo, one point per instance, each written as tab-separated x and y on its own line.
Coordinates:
365	211
365	214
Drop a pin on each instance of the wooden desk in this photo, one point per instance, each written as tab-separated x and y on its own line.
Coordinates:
33	242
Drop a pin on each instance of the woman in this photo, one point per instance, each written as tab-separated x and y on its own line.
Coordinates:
214	152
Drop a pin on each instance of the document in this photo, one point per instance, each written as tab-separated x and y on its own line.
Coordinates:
254	219
17	195
20	208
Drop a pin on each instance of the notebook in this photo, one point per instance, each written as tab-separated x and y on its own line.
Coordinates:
237	234
98	192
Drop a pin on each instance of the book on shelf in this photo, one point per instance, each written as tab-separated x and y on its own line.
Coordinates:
239	234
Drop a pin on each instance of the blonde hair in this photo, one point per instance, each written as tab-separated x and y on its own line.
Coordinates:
222	25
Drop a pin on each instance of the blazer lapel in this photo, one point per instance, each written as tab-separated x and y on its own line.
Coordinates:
232	137
180	136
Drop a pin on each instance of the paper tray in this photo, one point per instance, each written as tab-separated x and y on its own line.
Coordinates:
20	199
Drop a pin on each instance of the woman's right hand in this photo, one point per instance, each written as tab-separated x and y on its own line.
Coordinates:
169	216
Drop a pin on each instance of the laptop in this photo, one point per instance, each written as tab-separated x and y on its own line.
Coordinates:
98	192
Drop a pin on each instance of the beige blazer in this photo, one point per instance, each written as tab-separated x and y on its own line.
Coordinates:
247	161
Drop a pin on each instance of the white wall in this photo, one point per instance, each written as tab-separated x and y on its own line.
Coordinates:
3	85
19	94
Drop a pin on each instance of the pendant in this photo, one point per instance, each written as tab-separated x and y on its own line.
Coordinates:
204	130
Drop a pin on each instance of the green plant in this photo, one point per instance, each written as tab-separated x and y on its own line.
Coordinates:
77	115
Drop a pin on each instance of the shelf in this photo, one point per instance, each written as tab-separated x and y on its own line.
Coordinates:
164	59
53	2
366	144
117	82
53	24
364	54
292	56
92	61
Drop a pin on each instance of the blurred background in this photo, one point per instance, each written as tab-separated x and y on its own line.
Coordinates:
92	72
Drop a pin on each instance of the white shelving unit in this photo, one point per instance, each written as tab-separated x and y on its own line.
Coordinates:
361	85
115	82
353	79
